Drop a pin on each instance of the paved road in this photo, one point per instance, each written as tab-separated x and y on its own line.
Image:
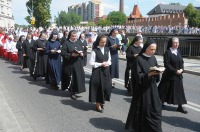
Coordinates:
53	111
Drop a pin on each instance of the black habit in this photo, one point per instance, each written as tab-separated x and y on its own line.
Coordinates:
28	49
145	111
40	67
114	67
84	46
100	80
20	55
171	86
130	52
73	75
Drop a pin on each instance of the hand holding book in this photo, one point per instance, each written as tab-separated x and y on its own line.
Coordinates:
156	69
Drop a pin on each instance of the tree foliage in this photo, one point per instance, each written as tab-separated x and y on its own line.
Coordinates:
68	19
41	12
117	17
193	15
104	22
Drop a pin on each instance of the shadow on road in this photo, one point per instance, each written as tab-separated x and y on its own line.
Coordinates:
79	104
128	99
52	92
106	123
14	67
182	123
118	91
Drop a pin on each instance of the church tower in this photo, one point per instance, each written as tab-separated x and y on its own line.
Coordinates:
121	6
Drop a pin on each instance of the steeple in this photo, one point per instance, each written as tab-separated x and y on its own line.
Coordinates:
136	12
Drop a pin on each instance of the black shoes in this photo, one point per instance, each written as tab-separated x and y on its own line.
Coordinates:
182	110
73	97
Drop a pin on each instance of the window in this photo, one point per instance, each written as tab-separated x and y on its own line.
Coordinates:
2	10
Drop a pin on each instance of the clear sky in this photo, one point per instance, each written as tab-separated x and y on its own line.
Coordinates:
20	10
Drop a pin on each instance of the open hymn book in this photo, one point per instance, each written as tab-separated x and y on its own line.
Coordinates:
77	52
157	69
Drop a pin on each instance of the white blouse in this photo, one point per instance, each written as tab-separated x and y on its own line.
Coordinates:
93	57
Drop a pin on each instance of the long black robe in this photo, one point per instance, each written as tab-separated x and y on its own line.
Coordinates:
54	63
40	67
114	67
28	49
171	86
20	55
130	52
145	111
73	75
100	80
84	46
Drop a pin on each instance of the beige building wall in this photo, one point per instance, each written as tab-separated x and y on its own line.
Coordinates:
6	16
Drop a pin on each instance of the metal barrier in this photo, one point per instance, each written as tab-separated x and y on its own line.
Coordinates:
188	47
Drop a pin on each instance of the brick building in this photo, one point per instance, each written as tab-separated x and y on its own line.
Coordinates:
161	15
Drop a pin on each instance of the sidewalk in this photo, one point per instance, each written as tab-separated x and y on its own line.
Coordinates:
11	118
191	66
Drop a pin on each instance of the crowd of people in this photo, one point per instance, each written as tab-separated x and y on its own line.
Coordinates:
61	60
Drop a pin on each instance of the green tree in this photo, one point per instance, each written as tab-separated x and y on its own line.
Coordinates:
75	19
91	23
104	22
68	19
193	15
41	12
117	17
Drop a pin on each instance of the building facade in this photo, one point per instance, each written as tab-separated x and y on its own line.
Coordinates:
89	11
6	16
161	15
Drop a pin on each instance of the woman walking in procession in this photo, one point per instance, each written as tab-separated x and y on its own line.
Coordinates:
28	53
73	75
54	61
83	43
171	86
40	67
113	45
100	82
145	110
19	48
131	55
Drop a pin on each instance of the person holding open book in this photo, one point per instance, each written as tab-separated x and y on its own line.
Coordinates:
145	110
73	75
171	86
52	49
100	82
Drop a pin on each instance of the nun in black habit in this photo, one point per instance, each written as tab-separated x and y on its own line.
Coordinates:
131	55
73	75
28	53
171	86
100	81
40	67
19	48
145	110
83	43
54	61
113	45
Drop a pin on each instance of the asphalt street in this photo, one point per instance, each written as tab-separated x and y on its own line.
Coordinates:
47	110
